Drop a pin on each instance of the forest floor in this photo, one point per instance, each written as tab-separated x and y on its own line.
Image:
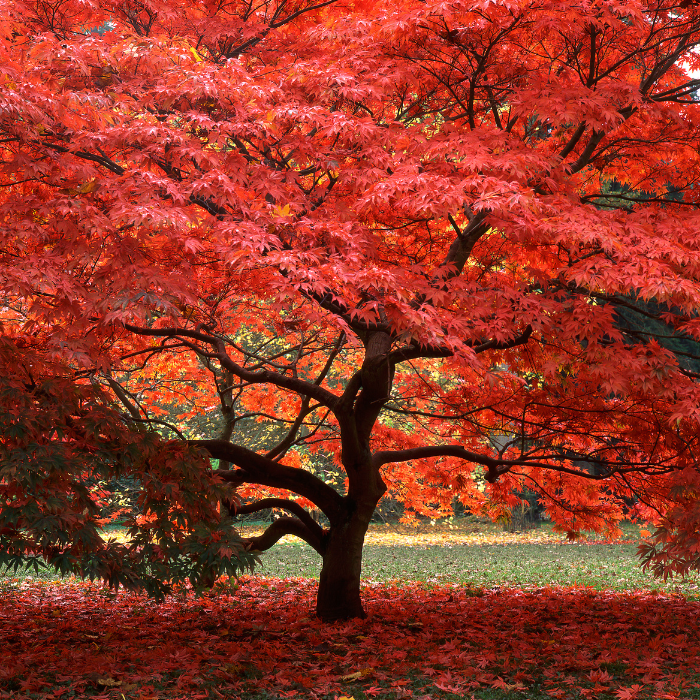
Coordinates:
460	610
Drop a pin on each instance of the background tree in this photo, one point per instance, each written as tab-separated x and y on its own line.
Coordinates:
386	230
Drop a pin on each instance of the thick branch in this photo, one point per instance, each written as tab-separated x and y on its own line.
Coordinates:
462	246
101	159
377	376
280	528
496	467
575	138
413	352
256	469
330	303
521	339
123	397
290	506
350	393
585	157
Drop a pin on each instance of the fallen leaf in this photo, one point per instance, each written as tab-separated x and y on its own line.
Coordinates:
358	675
108	682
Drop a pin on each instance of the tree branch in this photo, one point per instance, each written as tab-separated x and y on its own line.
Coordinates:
256	469
298	386
286	442
521	339
290	506
124	398
497	467
280	528
413	352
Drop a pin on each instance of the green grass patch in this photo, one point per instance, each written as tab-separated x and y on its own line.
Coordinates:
468	552
600	566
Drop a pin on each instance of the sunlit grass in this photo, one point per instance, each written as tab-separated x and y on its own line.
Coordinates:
469	552
481	554
600	566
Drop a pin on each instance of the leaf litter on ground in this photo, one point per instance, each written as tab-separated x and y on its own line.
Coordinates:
72	639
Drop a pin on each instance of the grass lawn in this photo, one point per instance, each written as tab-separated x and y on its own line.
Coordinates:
481	554
454	611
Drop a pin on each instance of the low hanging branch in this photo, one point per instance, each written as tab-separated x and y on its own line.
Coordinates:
304	527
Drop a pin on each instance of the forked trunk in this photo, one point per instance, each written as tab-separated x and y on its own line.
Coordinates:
339	588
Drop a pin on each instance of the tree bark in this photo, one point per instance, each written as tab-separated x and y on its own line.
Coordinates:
339	588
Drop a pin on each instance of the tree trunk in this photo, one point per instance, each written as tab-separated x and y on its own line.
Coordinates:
339	588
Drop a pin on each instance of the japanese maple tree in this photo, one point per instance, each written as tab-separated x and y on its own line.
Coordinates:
450	249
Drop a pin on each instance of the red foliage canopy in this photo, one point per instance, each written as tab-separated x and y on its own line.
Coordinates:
448	249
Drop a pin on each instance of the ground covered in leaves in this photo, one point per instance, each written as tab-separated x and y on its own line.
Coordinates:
67	640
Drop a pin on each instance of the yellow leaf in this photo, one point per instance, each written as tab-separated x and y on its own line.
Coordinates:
89	187
193	51
346	697
283	211
108	682
358	675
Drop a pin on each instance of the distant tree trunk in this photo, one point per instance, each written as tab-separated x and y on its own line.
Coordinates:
519	519
339	588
